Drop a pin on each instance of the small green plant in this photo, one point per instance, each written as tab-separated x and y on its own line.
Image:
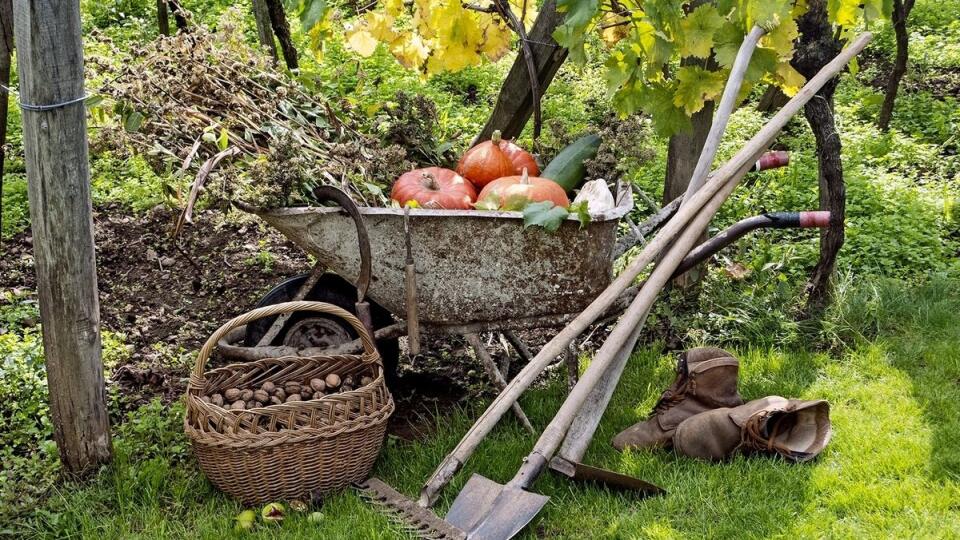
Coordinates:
262	258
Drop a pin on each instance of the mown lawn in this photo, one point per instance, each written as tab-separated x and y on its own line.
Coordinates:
891	470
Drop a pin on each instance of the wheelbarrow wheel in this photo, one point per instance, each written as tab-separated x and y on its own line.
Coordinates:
305	329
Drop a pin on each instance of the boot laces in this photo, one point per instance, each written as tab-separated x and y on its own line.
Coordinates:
672	396
755	434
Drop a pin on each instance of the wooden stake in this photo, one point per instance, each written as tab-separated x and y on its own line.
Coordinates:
50	61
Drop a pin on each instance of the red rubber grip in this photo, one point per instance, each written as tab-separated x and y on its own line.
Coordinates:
815	218
773	160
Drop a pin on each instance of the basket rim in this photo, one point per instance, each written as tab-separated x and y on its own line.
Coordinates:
270	439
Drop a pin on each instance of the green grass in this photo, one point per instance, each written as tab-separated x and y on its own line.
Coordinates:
891	470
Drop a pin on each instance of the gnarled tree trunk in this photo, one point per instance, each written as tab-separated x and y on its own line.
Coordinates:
278	19
6	51
817	46
163	18
261	14
515	101
901	10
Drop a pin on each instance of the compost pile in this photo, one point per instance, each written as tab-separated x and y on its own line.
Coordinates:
214	109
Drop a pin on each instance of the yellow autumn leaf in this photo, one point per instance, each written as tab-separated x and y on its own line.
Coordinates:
790	79
496	42
781	38
393	7
410	50
422	18
380	26
613	28
361	41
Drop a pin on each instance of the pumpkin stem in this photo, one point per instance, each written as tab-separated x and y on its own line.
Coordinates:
496	137
524	177
429	181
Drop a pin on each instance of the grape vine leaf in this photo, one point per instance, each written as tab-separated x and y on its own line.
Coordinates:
697	86
313	12
697	29
781	38
657	102
361	41
410	50
545	214
768	14
572	33
620	67
763	61
727	42
581	212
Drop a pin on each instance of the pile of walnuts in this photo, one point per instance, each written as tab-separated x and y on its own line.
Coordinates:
269	393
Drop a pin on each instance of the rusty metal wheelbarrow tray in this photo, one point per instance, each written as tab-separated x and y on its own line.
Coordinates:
472	266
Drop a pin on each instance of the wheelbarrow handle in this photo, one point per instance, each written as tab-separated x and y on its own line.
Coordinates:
332	194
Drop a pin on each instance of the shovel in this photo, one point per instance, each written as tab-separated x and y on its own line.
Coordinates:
491	511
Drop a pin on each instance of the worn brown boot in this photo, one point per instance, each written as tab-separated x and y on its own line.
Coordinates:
794	429
706	379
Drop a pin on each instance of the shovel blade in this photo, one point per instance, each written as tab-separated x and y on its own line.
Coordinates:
487	510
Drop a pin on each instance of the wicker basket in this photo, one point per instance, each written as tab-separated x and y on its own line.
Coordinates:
293	450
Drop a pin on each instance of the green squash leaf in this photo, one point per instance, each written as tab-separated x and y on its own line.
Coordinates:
545	214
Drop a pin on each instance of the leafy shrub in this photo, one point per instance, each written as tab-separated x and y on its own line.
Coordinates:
27	453
130	181
16	207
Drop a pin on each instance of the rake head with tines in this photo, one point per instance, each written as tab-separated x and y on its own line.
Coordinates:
420	521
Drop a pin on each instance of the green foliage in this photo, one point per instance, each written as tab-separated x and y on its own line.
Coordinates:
130	181
16	207
27	453
544	214
645	39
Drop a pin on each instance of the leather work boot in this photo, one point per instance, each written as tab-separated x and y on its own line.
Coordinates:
794	429
706	379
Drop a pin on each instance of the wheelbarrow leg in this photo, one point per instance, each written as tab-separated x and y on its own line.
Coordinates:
315	274
522	350
572	360
494	373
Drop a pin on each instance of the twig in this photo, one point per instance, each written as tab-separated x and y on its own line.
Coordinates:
504	7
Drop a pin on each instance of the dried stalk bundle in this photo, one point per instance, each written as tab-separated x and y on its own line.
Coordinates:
215	106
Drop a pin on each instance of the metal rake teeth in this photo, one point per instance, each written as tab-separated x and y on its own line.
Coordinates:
415	519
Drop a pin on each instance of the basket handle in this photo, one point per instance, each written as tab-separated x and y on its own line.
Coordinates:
370	354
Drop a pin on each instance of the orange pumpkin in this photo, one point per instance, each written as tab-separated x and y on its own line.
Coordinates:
494	159
515	192
434	187
520	158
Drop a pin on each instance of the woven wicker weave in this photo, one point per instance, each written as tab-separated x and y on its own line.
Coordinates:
295	450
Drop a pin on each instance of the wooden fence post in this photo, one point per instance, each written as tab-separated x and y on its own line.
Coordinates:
50	61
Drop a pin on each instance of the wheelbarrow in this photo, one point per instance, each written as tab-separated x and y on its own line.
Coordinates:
472	271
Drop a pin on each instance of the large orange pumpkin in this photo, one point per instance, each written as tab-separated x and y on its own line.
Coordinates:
494	159
434	187
515	192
